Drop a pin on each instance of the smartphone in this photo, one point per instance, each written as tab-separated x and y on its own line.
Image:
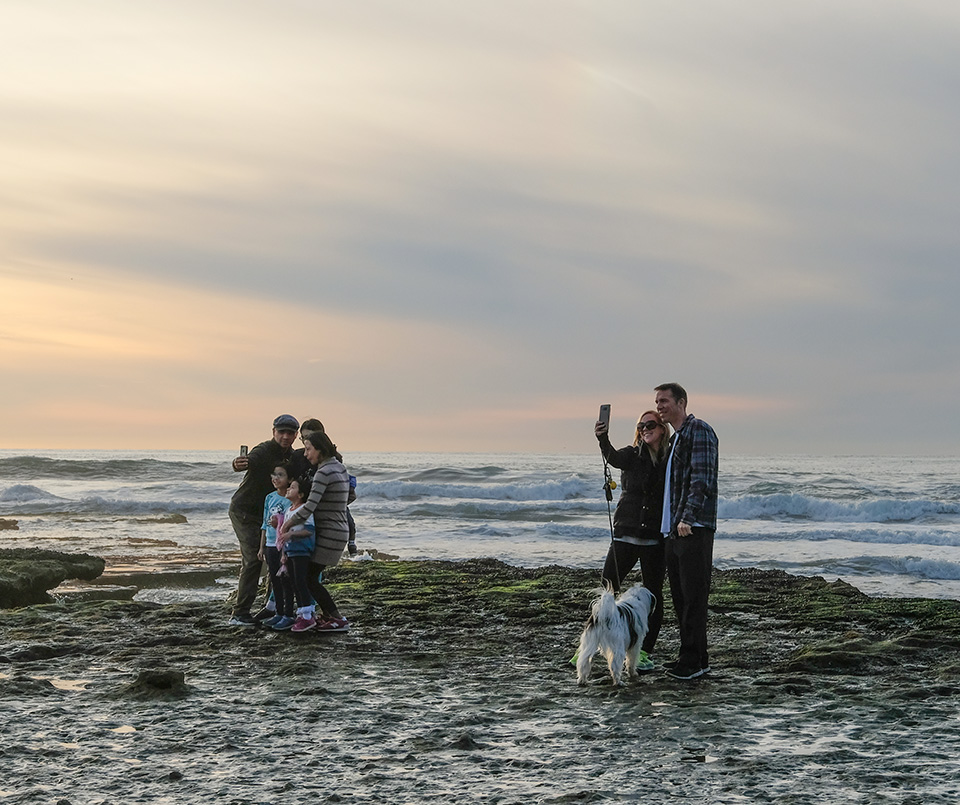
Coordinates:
605	415
243	450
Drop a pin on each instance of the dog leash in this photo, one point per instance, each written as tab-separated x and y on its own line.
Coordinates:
608	486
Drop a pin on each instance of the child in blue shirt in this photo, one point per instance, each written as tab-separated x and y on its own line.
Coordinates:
296	551
275	507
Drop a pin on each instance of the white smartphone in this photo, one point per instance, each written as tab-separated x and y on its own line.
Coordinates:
243	450
605	415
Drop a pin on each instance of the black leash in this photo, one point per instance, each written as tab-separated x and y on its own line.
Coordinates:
608	486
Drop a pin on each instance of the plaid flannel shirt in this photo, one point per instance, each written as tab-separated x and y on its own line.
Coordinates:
693	475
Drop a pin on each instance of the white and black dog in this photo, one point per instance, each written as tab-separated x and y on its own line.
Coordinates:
616	629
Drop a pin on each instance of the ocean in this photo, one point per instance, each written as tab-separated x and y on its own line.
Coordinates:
888	525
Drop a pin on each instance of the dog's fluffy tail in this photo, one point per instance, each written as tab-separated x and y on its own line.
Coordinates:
605	612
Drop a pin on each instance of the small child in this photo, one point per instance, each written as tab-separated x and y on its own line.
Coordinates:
297	548
274	507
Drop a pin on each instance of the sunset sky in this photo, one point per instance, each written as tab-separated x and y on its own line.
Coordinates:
463	226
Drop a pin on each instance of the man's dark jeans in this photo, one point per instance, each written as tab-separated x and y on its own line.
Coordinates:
689	565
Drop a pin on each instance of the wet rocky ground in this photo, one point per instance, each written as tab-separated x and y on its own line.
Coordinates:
455	685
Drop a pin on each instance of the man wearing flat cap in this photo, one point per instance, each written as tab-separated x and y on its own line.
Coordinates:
246	509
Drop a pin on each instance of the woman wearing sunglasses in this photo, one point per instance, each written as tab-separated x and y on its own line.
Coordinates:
636	521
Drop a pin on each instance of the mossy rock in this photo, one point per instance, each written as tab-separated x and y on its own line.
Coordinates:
27	574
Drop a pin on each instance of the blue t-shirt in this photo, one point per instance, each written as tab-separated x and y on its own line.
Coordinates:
274	504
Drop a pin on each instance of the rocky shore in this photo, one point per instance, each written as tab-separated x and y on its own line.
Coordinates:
27	574
455	682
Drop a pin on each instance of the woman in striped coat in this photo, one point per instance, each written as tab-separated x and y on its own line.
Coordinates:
328	505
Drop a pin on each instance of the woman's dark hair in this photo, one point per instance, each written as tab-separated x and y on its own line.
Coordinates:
322	443
311	425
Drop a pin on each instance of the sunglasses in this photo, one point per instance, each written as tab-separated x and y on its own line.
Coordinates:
648	425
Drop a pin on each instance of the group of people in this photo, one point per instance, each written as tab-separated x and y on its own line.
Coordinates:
666	519
291	511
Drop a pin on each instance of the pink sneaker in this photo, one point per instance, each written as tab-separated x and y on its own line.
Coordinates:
334	625
303	624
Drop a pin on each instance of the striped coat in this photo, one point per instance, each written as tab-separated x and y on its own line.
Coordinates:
328	505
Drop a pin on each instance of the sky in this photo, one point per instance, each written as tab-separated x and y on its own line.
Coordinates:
459	226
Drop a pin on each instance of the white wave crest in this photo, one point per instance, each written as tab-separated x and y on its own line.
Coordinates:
25	493
886	510
911	566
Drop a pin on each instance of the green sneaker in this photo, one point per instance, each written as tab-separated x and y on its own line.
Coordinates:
644	663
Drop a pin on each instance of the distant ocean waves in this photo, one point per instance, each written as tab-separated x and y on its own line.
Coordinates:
95	466
887	525
25	500
535	500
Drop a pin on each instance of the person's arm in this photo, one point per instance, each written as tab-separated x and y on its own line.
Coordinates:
263	545
252	461
622	459
703	474
320	481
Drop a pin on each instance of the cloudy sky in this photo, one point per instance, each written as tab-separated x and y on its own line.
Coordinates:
458	226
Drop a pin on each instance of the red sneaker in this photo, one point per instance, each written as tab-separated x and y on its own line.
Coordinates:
339	624
304	624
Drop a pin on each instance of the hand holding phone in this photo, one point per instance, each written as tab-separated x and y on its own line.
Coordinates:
603	423
241	462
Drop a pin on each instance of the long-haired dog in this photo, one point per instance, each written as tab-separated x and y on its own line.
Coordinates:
616	629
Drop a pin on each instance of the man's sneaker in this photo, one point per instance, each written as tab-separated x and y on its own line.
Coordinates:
283	624
644	663
265	614
304	624
338	624
242	619
685	673
271	623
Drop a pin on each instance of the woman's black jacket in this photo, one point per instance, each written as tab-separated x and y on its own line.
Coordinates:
640	508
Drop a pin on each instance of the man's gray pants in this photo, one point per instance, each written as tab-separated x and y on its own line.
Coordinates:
247	528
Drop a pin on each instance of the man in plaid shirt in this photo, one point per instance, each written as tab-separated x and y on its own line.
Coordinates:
689	523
